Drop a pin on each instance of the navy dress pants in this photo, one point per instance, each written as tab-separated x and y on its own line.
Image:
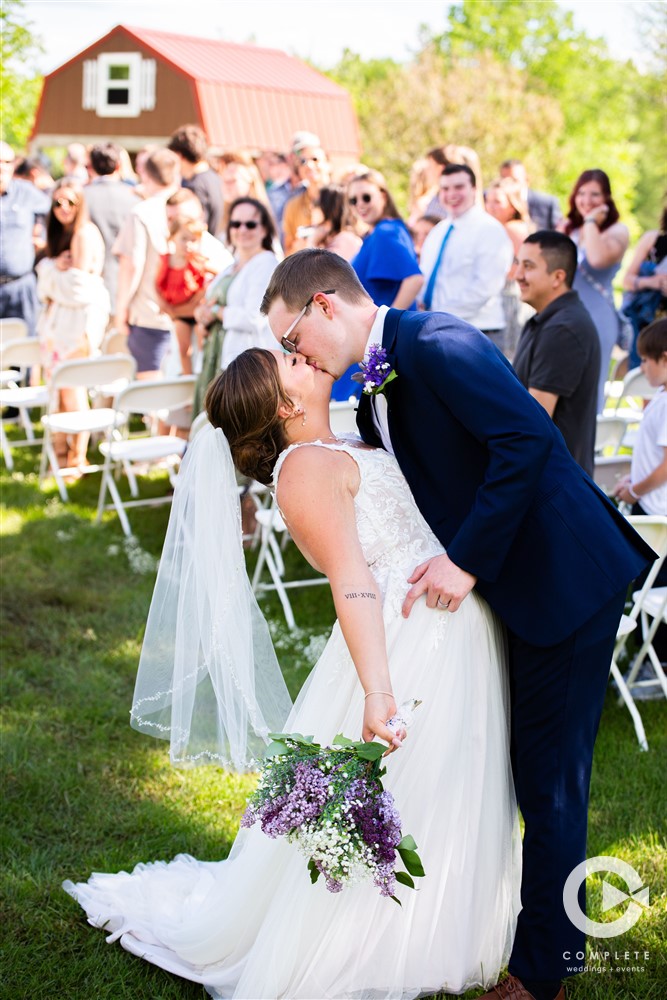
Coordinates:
557	695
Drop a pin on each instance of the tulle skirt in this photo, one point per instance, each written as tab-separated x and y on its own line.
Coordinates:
254	927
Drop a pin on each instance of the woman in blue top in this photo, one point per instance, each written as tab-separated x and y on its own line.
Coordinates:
386	263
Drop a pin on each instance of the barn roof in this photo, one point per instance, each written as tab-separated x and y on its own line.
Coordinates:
250	96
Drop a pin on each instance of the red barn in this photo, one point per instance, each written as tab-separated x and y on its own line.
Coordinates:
134	86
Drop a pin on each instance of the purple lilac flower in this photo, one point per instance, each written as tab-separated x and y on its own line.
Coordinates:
305	801
376	370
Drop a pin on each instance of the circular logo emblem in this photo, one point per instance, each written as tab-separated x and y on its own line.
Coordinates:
611	897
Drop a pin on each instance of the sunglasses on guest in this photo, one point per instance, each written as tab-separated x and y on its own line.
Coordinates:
365	198
64	203
237	223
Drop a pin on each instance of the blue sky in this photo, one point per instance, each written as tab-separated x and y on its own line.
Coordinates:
314	29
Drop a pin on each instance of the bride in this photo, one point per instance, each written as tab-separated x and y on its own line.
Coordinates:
253	926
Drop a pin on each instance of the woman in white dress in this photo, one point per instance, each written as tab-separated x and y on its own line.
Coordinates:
253	926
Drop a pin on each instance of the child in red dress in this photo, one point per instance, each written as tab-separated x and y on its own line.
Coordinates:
181	279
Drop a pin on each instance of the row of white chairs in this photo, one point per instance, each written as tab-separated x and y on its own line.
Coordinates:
108	380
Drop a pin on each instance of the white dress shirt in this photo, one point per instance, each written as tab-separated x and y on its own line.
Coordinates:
473	270
379	400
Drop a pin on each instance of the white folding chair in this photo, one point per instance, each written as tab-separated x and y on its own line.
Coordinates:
270	555
343	416
635	390
16	358
146	398
609	434
608	469
94	375
114	343
13	328
649	607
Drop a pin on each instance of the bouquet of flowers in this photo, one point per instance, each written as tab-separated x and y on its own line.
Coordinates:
330	803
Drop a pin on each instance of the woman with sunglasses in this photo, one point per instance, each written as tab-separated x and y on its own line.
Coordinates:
75	299
228	318
386	264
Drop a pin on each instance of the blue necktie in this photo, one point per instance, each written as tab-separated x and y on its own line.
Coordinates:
428	294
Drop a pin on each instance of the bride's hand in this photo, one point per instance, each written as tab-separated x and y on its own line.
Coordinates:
378	708
442	581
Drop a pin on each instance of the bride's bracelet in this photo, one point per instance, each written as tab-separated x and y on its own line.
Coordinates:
388	694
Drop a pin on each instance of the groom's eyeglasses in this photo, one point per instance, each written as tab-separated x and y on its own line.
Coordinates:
291	345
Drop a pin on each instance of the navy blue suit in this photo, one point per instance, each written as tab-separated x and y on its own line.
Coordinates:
552	556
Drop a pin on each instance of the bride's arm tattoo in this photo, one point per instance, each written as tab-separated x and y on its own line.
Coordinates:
359	593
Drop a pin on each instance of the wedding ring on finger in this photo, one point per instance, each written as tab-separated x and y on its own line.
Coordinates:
441	604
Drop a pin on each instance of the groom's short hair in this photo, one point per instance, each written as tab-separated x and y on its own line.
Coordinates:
307	272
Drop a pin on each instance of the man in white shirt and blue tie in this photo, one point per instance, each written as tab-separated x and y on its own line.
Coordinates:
466	257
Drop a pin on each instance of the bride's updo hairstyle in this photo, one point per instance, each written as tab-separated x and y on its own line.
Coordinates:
244	401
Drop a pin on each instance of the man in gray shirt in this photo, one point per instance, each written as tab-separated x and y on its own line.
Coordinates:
109	202
558	355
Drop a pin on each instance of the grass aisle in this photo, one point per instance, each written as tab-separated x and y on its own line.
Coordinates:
83	792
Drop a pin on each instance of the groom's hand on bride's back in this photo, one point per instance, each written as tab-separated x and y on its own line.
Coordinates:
442	581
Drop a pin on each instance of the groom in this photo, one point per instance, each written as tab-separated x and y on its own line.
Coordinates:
524	525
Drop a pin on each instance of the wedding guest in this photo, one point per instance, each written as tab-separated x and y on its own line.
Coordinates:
182	277
504	200
141	243
420	230
74	164
22	207
229	314
109	201
76	302
239	178
646	486
645	283
543	209
558	355
280	185
424	184
301	213
386	263
466	257
190	145
593	223
459	156
335	231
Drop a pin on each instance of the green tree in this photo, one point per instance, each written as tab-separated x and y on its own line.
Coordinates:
594	91
19	90
651	103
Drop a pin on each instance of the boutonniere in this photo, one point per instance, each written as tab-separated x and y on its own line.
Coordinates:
376	372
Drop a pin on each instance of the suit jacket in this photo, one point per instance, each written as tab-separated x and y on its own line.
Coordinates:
492	476
109	203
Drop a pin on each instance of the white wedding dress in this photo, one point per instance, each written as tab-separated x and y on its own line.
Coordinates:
253	926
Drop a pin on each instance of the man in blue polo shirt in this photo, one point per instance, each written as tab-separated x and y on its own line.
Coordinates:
21	206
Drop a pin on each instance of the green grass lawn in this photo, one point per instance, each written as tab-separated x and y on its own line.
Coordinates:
83	792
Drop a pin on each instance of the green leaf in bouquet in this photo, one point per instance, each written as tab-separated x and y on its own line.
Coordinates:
396	900
412	862
314	871
275	749
405	879
371	751
294	737
407	843
342	741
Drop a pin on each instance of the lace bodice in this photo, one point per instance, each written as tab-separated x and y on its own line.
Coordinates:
394	536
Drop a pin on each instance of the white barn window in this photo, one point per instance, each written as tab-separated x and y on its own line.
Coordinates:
119	84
